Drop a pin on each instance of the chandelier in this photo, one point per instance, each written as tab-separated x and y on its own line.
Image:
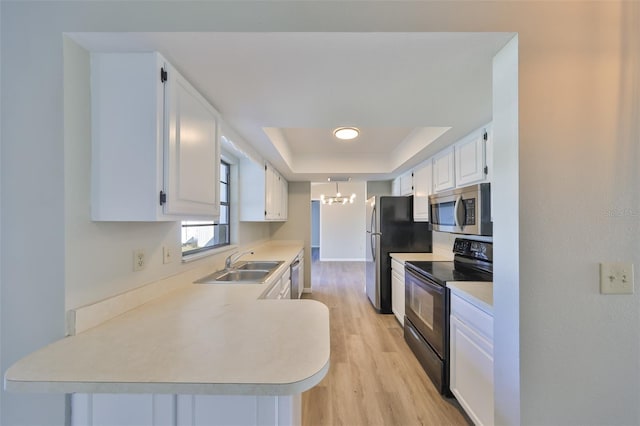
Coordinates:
338	198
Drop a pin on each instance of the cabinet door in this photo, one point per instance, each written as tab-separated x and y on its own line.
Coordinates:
122	409
284	199
470	160
397	293
272	193
443	170
422	188
471	378
192	162
406	184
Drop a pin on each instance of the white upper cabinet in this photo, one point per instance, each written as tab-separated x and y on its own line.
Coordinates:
471	164
155	148
444	176
192	168
264	193
406	183
402	185
422	188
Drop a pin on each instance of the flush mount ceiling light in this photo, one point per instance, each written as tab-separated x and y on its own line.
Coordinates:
338	198
346	133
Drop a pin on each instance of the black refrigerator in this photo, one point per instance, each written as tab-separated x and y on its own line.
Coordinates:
390	229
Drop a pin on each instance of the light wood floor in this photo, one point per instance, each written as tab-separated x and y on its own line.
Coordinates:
373	379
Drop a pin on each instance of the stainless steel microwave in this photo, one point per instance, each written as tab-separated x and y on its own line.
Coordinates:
463	210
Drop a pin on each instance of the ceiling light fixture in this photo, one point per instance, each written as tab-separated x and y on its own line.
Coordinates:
338	198
346	133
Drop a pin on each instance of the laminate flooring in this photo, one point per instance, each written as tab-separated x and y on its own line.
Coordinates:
374	378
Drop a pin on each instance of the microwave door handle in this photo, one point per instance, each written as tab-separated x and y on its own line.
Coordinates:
459	212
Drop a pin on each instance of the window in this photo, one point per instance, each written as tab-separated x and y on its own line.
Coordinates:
197	235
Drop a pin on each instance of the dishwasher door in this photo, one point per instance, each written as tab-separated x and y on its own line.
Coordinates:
295	279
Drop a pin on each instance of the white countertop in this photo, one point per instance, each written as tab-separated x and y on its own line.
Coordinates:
478	293
200	339
407	257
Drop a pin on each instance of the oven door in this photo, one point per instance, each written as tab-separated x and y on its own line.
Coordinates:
426	307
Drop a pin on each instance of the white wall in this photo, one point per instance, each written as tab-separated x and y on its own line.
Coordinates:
506	222
378	187
315	223
578	151
342	227
298	225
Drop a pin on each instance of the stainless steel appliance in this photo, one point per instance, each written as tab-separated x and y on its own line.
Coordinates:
426	325
296	281
390	228
463	210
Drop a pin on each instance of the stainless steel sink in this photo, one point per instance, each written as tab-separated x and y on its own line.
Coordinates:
258	265
255	272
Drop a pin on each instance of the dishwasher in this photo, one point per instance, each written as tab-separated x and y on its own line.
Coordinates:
295	278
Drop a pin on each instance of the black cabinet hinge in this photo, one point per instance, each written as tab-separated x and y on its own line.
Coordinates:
486	170
485	136
265	167
163	75
163	198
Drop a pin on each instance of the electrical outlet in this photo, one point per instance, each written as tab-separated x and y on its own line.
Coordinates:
139	260
616	278
166	255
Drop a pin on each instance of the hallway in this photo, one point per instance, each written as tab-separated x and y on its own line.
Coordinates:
374	379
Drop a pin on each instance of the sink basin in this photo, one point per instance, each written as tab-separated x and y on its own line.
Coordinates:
236	276
251	272
258	265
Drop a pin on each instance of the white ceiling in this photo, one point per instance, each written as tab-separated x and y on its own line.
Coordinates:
409	93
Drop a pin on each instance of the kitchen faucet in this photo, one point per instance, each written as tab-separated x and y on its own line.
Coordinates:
234	257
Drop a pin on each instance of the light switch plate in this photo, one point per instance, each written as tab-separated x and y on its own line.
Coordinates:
616	278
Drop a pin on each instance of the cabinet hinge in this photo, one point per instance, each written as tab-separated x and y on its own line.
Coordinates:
163	75
486	170
485	136
265	167
163	198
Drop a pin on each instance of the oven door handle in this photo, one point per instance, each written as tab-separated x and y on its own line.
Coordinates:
424	282
459	216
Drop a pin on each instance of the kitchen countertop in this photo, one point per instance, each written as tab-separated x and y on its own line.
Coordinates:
199	339
478	293
407	257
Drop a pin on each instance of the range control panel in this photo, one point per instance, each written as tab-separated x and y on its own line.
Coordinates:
475	249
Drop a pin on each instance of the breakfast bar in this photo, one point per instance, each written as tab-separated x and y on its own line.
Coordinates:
202	339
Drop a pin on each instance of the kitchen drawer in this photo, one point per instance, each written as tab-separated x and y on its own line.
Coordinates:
472	316
274	291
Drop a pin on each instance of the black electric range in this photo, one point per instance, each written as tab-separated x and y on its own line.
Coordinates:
427	306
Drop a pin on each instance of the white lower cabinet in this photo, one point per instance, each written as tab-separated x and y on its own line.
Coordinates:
281	288
397	290
471	369
184	410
